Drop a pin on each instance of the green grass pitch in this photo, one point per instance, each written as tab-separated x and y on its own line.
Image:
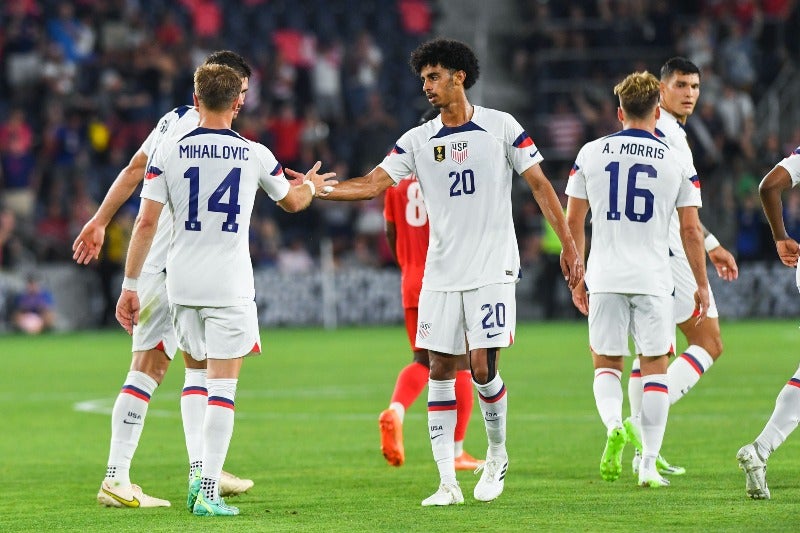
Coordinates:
307	433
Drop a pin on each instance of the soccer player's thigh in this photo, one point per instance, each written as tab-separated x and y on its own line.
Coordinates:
491	315
685	287
154	330
440	326
653	325
190	330
609	323
231	332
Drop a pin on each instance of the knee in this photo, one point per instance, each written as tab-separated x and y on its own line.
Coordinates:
715	347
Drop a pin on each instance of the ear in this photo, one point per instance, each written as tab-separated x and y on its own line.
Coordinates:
460	76
658	112
195	100
620	116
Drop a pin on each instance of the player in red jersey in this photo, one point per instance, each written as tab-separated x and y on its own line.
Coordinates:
407	233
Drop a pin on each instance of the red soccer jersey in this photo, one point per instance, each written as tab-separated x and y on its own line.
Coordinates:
404	207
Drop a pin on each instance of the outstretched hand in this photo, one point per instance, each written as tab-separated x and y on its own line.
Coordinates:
89	242
322	182
725	263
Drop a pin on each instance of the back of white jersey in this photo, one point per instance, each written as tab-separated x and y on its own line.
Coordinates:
672	132
171	127
465	174
633	183
210	179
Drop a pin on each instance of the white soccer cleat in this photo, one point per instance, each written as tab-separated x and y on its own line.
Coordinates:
755	471
127	496
652	479
448	494
230	485
492	480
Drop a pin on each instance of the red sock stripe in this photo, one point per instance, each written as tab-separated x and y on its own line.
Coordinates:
447	405
693	362
656	387
220	401
607	372
496	398
188	391
794	382
636	373
135	391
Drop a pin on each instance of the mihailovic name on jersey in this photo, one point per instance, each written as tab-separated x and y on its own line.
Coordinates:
465	175
212	198
633	182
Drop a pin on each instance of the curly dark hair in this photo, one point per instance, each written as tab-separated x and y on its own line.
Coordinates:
450	54
230	59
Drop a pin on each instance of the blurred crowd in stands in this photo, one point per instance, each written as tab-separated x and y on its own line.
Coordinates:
84	81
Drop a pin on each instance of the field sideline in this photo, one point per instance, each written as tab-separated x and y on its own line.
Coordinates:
306	432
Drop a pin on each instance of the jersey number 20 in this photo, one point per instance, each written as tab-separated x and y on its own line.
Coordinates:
215	203
632	193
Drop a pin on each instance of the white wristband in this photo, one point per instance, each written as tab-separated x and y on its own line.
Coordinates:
129	284
312	187
711	242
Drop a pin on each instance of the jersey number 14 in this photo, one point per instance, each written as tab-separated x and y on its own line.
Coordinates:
215	204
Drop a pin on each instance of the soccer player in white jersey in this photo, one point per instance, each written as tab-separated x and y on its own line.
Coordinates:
210	178
154	343
632	182
753	457
464	160
679	90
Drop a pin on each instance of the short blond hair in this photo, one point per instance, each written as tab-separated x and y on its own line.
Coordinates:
638	94
217	86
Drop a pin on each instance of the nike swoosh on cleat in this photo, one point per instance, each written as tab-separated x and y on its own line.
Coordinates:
133	502
437	436
493	335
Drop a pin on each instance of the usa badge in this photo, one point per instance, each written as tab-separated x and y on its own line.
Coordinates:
438	153
458	151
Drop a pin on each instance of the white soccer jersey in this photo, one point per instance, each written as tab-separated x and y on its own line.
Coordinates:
792	165
465	174
672	132
210	178
633	183
172	126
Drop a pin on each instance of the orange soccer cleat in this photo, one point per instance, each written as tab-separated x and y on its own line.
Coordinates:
466	462
392	437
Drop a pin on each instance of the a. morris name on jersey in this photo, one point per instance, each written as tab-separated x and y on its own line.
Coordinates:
642	150
214	151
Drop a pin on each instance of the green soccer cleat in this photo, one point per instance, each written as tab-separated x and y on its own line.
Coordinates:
194	490
205	507
611	462
662	465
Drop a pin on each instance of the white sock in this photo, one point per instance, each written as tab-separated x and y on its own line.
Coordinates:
458	448
194	399
608	396
127	422
493	400
655	409
635	391
784	418
399	409
217	432
442	426
686	370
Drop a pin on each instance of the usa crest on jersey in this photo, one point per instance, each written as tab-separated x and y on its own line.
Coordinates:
458	151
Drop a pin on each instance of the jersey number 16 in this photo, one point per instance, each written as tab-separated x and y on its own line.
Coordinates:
631	194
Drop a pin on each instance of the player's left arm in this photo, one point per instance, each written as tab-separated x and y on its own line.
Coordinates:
692	238
770	189
721	258
577	209
144	229
545	196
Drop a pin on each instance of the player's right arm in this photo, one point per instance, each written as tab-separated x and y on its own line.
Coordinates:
577	209
770	190
692	237
361	188
89	241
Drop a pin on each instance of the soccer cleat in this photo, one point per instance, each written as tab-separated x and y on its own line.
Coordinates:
448	494
755	471
127	496
466	462
205	507
230	485
611	461
194	490
392	437
652	479
490	486
662	465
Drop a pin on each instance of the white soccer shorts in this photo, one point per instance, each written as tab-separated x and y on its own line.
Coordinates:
217	332
154	329
487	316
685	288
648	318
